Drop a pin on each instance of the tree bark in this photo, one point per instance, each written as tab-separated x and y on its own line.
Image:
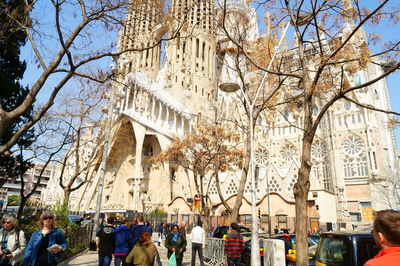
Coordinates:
67	194
21	207
242	183
301	189
221	197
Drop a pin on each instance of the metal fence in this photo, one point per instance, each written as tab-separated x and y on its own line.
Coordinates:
81	235
214	252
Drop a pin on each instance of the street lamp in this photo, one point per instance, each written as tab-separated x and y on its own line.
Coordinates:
232	87
107	130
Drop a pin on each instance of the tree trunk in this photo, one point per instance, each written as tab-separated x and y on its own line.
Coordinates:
301	189
67	194
21	207
242	183
221	197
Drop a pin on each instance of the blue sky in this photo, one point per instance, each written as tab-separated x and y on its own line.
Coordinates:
387	30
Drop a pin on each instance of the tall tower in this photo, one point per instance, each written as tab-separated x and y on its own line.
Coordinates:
190	57
142	20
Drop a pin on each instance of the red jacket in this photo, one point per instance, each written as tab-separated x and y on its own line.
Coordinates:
386	257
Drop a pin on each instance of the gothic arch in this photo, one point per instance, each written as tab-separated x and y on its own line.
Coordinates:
354	159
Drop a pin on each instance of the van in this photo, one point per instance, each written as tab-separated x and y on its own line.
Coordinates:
345	249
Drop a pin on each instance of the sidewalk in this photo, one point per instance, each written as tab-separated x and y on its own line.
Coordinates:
90	258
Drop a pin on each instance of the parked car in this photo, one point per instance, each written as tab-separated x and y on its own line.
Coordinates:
312	244
345	249
221	231
74	218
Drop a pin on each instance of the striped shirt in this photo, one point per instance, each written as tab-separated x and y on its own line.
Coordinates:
234	245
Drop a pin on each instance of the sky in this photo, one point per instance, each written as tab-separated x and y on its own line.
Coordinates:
44	13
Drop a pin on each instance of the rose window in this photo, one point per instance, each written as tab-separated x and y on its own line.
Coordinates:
288	153
261	156
318	150
353	145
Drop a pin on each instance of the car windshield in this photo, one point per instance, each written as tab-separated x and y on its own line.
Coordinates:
334	252
220	231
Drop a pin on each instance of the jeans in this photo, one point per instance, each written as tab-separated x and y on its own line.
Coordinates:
199	248
105	261
120	260
233	261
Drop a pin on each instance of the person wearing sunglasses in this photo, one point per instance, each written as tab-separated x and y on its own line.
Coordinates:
12	241
45	244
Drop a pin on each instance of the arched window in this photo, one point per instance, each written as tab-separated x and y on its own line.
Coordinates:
319	157
288	153
354	160
261	156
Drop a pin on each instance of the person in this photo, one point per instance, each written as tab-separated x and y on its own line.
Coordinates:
198	238
175	242
234	246
386	231
211	230
12	241
276	230
160	230
148	224
138	230
123	242
287	239
105	242
45	243
166	231
144	253
182	229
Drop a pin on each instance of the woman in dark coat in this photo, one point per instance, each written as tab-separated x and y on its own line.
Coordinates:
175	242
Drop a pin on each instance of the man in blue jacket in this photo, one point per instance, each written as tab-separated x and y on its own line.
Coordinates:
138	230
123	240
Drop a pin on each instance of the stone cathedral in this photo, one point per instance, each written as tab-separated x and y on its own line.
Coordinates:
167	86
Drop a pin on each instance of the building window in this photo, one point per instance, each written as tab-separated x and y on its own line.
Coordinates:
354	158
185	217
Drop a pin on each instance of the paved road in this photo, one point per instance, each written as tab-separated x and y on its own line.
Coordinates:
90	258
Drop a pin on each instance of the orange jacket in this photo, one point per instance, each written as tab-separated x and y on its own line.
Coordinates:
386	257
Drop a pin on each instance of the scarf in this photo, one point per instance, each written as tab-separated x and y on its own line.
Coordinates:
4	240
175	237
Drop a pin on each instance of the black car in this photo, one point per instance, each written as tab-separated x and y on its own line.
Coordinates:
220	231
345	249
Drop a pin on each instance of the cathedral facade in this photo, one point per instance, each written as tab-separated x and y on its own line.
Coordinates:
166	87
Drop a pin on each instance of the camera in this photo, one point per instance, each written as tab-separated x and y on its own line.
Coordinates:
6	251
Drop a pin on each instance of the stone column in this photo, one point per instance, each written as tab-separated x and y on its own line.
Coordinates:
140	132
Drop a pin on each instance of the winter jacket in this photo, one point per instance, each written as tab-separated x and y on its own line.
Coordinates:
15	243
142	255
178	245
137	231
56	236
234	245
123	240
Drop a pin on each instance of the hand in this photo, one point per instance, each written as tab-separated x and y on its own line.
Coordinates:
1	253
173	249
55	250
9	256
181	250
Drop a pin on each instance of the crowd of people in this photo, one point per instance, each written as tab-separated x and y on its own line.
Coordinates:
131	244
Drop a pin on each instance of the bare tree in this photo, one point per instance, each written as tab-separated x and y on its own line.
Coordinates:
211	149
68	39
318	69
